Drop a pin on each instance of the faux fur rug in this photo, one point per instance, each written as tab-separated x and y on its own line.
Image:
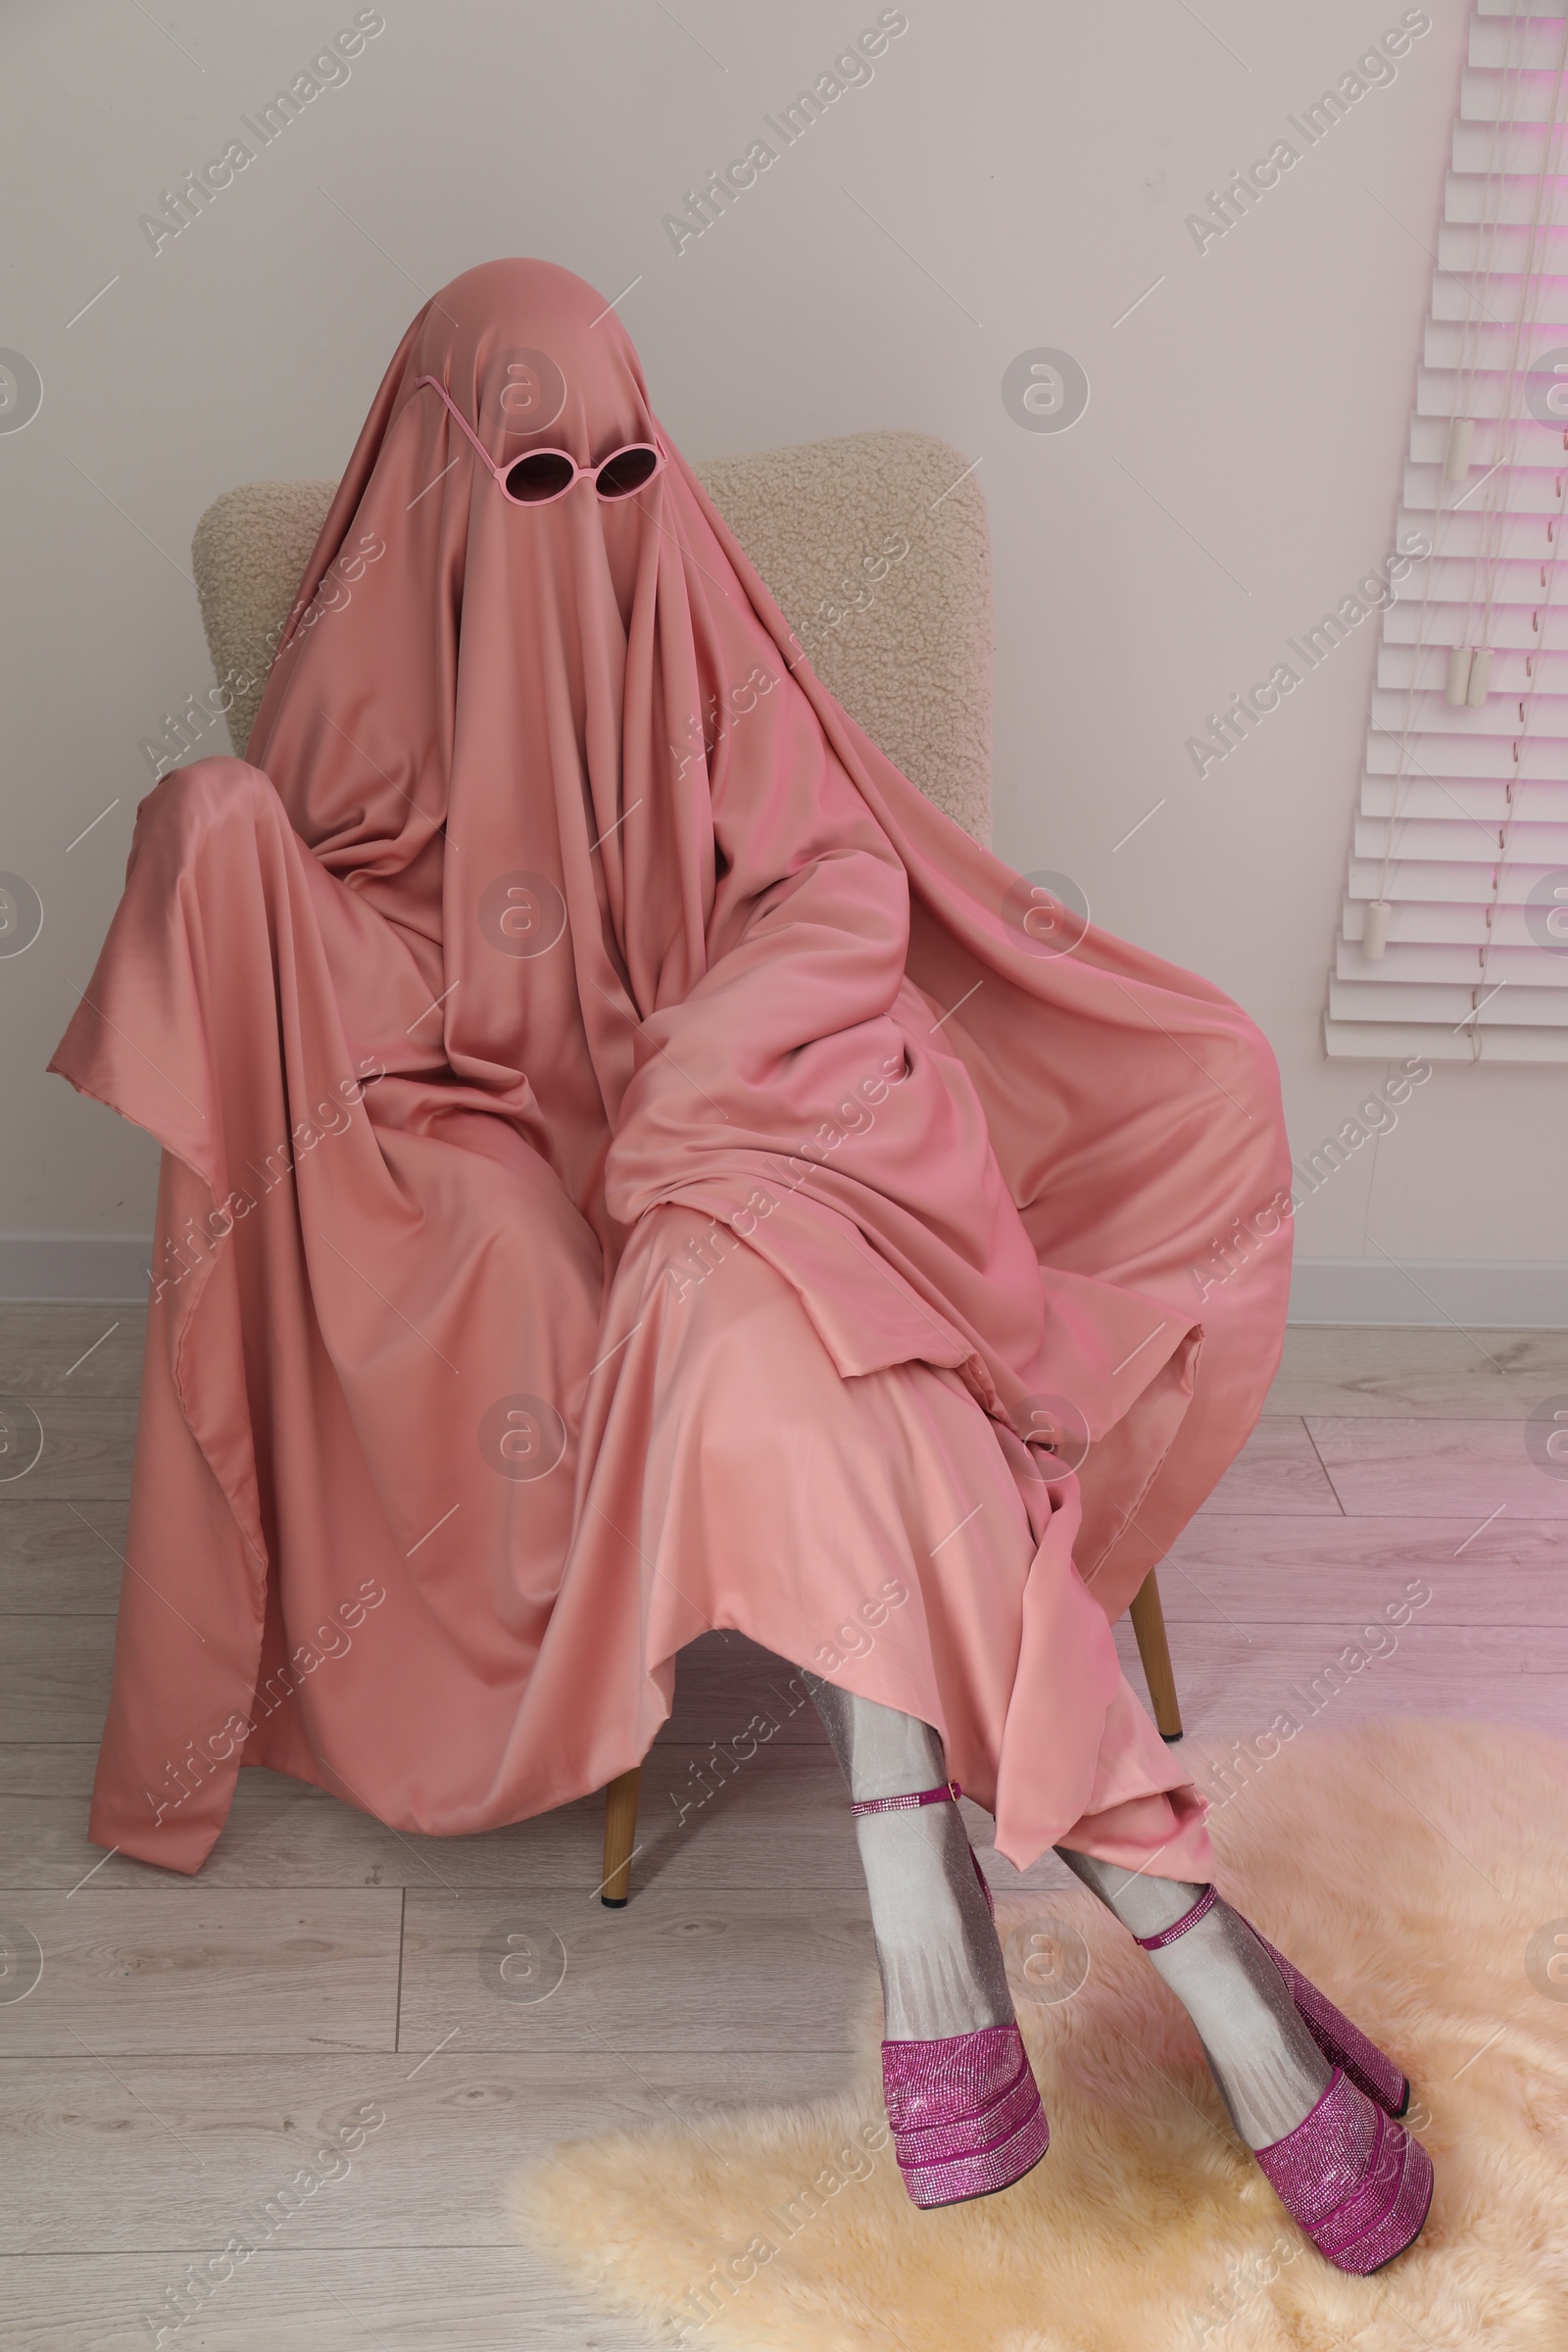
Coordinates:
1418	1871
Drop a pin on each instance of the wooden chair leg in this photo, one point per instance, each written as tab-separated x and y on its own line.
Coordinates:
1149	1624
620	1834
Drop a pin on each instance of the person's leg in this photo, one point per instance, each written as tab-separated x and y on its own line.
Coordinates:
1312	2098
962	2100
1271	2073
935	1946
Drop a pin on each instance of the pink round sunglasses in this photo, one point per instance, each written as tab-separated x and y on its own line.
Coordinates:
545	474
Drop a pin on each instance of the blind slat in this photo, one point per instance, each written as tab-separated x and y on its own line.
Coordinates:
1533	44
1518	1007
1502	714
1390	1041
1427	667
1409	963
1462	761
1468	197
1425	924
1416	881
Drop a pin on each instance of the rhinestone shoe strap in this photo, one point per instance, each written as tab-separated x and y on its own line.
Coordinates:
1189	1919
949	1793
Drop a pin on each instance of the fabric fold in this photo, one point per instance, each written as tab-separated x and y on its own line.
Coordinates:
556	902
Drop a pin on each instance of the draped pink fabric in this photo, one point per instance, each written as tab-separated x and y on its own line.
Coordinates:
593	1083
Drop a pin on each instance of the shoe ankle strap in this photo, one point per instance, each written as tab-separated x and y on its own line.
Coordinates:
1189	1919
949	1793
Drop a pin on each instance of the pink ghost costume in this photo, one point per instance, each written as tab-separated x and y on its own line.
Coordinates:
631	1164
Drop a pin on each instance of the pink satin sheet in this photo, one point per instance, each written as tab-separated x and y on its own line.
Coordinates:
629	1165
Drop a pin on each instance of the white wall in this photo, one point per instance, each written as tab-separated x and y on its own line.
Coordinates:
1013	176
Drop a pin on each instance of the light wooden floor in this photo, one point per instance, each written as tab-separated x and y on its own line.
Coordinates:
188	2043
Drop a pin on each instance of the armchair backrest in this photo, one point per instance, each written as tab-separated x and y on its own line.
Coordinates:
875	546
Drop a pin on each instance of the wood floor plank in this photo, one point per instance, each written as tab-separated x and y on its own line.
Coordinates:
54	1676
75	1448
1276	1571
1276	1470
400	2301
55	1670
134	1973
48	1767
777	1819
1461	1469
1234	1680
422	2299
61	1559
86	2167
81	1348
677	1970
722	1679
1490	1375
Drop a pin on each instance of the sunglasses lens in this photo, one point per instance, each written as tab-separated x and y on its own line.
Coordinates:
537	478
627	471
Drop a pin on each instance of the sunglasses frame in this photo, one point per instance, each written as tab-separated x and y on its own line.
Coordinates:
591	473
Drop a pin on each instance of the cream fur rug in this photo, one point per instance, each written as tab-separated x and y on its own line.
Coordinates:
1415	1870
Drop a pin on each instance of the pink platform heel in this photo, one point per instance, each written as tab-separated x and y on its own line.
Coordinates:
1352	2179
964	2109
965	2114
1343	2044
1349	2174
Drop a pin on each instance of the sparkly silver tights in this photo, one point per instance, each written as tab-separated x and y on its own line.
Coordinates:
941	1964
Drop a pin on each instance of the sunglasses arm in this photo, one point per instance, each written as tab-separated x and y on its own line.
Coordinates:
458	419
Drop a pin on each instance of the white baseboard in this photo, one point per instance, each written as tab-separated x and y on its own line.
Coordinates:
1499	1294
112	1266
1477	1294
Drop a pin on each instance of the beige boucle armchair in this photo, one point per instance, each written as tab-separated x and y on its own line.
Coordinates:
876	548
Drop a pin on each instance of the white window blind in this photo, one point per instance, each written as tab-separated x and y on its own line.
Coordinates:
1453	941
